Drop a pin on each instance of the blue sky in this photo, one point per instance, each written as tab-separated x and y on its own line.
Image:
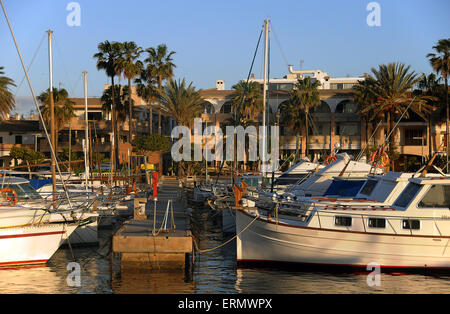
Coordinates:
216	39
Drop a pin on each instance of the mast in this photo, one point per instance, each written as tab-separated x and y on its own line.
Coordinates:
52	115
86	146
266	44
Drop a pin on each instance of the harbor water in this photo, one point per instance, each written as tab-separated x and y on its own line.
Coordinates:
214	272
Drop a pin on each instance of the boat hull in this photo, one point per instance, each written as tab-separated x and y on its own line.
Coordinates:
32	244
266	241
228	221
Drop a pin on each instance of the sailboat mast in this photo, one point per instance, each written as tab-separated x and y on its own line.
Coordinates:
52	115
266	44
86	146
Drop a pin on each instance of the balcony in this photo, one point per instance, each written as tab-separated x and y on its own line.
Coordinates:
7	147
76	147
349	142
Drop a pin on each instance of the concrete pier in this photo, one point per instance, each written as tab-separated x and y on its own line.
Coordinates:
150	242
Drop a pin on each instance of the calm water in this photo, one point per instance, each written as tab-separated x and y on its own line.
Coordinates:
214	272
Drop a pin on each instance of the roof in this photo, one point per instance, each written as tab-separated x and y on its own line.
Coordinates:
93	102
19	126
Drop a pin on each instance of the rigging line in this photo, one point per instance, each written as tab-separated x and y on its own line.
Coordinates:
268	80
29	66
52	151
76	85
63	65
248	76
279	45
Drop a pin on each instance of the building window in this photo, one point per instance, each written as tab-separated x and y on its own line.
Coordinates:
18	139
437	197
341	85
1	139
411	224
226	108
281	86
347	129
95	116
377	223
343	221
415	137
346	106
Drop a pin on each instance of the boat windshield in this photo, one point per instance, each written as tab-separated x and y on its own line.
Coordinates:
438	196
407	195
368	187
24	191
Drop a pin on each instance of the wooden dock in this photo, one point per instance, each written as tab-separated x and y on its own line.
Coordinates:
152	242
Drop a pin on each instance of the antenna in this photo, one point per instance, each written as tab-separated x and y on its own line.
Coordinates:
301	64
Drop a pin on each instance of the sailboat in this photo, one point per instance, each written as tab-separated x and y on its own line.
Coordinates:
31	235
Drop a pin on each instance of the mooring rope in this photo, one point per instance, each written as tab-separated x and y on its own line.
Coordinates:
226	242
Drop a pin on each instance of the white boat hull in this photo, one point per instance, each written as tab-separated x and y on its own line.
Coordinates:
267	241
32	244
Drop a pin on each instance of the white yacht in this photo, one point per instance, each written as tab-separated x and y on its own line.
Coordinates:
31	235
387	223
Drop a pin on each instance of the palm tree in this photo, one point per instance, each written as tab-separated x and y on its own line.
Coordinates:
6	97
181	102
440	62
109	58
147	90
248	107
303	98
293	119
363	97
64	110
161	67
131	68
121	101
429	88
389	95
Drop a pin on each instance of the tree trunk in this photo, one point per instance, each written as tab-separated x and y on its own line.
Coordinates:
430	143
114	126
159	111
150	119
130	113
306	135
297	147
159	122
447	122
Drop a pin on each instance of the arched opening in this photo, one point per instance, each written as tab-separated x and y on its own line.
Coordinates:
322	108
226	107
208	108
347	106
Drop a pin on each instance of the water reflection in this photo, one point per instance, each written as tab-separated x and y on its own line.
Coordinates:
213	272
152	283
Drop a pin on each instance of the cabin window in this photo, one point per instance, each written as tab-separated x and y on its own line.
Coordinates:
377	223
411	224
407	195
343	221
368	187
437	196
